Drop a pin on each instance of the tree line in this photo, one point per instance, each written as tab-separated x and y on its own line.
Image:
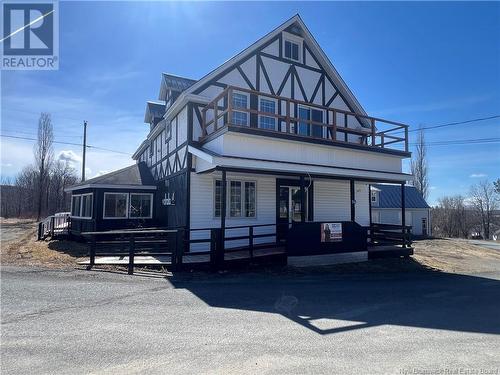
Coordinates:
38	190
473	215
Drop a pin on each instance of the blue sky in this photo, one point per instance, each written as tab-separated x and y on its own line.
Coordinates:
419	63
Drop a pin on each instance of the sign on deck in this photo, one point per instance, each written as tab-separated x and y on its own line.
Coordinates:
331	232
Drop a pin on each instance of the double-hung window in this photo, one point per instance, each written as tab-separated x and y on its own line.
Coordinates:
240	101
291	50
242	198
267	106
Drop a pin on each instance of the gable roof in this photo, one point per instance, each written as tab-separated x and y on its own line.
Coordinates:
154	109
137	175
312	44
173	82
390	197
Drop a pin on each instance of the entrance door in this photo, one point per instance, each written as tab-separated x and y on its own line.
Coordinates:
289	208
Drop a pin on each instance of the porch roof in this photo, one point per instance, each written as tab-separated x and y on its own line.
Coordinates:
208	161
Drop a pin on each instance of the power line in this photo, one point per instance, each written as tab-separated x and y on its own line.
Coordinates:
67	143
455	123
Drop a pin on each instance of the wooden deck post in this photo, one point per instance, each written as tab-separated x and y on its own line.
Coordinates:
370	210
353	200
223	208
40	231
302	200
131	251
214	240
403	213
92	253
52	224
180	242
250	240
373	132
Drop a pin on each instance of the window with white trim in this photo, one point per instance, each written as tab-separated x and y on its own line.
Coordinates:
86	207
292	50
242	197
141	205
75	205
81	205
250	199
267	106
115	205
240	101
235	198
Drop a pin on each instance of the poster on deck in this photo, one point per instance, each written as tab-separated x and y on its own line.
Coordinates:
331	232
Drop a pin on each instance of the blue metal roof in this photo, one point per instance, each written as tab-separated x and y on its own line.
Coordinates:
390	197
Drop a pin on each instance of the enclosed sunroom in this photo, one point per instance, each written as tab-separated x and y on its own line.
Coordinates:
121	199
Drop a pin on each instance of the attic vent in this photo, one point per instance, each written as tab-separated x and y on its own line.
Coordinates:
294	29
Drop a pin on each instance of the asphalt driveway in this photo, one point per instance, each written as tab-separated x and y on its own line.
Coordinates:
77	322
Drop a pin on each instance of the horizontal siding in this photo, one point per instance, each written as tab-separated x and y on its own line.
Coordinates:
362	204
331	200
202	209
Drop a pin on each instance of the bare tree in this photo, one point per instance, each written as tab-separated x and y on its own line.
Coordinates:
44	155
451	217
484	199
497	185
419	168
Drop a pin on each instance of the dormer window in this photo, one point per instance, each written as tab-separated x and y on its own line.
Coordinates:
291	50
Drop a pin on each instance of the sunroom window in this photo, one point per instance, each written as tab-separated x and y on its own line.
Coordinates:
115	205
75	205
86	210
141	206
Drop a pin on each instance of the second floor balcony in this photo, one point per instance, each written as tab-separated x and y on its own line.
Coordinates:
265	114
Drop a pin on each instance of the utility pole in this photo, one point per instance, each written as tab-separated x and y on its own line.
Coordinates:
84	148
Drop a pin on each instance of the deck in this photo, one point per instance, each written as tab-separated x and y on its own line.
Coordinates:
188	258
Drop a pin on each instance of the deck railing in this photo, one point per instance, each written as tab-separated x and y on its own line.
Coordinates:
54	225
336	125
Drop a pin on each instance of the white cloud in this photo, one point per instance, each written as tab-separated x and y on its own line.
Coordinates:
478	175
69	156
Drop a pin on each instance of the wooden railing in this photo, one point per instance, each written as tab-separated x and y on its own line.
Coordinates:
337	125
390	234
54	225
132	243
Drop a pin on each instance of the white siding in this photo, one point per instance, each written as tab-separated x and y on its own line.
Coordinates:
182	126
202	209
362	204
301	152
331	200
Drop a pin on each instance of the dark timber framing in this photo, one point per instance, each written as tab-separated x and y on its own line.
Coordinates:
353	199
403	213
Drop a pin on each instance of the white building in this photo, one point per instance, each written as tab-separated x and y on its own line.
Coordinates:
386	208
272	136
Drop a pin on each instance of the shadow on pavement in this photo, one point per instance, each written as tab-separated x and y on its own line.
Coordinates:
328	303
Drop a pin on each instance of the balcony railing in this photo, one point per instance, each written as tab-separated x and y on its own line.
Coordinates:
299	119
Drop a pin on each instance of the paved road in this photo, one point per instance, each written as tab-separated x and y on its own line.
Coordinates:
61	322
495	245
